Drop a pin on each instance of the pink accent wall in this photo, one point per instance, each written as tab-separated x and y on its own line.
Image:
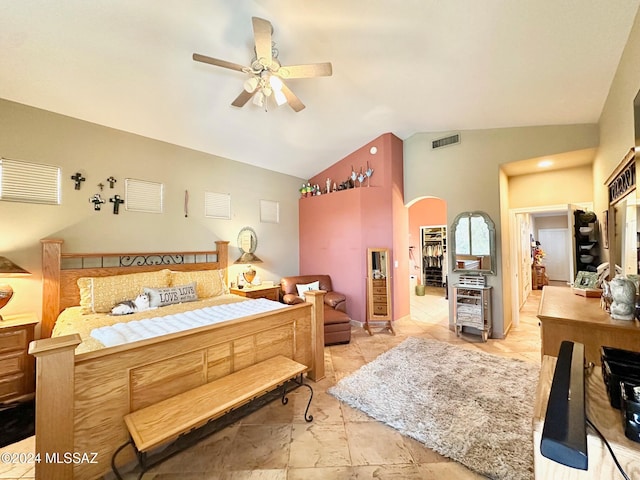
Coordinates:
401	306
424	213
337	228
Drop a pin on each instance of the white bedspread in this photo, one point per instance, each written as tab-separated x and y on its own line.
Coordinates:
127	332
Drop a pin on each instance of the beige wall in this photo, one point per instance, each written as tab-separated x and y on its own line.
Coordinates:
467	176
550	221
98	152
616	122
570	185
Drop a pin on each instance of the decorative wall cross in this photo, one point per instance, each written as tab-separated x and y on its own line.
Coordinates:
97	201
116	200
77	178
112	181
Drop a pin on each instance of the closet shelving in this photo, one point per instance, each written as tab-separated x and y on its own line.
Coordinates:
586	240
434	250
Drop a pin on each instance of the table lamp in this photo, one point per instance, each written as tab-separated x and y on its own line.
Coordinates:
8	269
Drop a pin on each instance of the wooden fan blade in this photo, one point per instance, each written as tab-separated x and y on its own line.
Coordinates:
293	101
306	71
242	98
262	30
219	63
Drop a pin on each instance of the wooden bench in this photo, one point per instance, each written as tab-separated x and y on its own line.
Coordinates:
170	419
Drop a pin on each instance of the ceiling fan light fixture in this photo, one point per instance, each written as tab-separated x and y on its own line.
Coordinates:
258	99
280	97
275	82
251	84
266	72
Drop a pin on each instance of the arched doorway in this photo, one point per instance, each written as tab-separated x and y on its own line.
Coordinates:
428	265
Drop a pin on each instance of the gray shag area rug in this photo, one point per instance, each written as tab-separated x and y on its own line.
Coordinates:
470	406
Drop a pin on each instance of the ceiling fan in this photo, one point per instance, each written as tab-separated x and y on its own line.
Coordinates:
266	73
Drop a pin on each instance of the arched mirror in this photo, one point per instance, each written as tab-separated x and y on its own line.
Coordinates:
378	287
474	243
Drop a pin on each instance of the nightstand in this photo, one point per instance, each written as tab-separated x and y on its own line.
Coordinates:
17	367
258	291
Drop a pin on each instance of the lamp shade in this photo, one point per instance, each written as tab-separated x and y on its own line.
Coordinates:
9	269
280	97
258	99
248	257
251	84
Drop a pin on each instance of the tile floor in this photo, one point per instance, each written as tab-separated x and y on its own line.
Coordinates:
275	443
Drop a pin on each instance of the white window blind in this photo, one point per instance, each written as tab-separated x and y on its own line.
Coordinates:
217	205
269	211
143	196
29	182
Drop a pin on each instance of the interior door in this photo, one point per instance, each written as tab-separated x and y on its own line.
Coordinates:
555	243
523	225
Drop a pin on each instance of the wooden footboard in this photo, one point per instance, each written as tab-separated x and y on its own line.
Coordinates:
81	399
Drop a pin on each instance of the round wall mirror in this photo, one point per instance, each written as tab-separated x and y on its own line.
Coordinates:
247	240
247	243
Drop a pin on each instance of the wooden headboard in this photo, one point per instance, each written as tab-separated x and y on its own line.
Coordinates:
61	271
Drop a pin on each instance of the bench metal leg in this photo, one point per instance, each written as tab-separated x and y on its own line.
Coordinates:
113	459
142	460
299	381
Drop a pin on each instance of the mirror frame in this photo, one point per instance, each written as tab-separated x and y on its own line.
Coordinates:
620	185
254	239
371	315
492	243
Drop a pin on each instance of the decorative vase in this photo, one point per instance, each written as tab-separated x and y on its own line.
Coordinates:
623	293
249	274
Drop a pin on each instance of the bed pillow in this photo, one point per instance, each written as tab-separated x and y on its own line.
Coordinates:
100	294
159	297
209	283
305	287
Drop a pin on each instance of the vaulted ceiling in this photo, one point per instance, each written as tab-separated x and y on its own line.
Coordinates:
398	66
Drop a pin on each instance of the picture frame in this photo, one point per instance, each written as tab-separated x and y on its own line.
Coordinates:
586	280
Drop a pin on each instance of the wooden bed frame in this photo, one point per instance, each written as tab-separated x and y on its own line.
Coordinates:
81	399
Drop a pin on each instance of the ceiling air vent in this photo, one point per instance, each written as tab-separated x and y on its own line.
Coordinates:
445	141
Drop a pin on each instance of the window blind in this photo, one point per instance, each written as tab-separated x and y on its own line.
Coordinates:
217	205
269	211
29	182
143	196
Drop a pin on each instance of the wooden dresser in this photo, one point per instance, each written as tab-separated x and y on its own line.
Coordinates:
17	367
605	417
379	292
566	316
538	277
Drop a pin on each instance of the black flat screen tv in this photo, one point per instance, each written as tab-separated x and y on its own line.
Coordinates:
564	435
